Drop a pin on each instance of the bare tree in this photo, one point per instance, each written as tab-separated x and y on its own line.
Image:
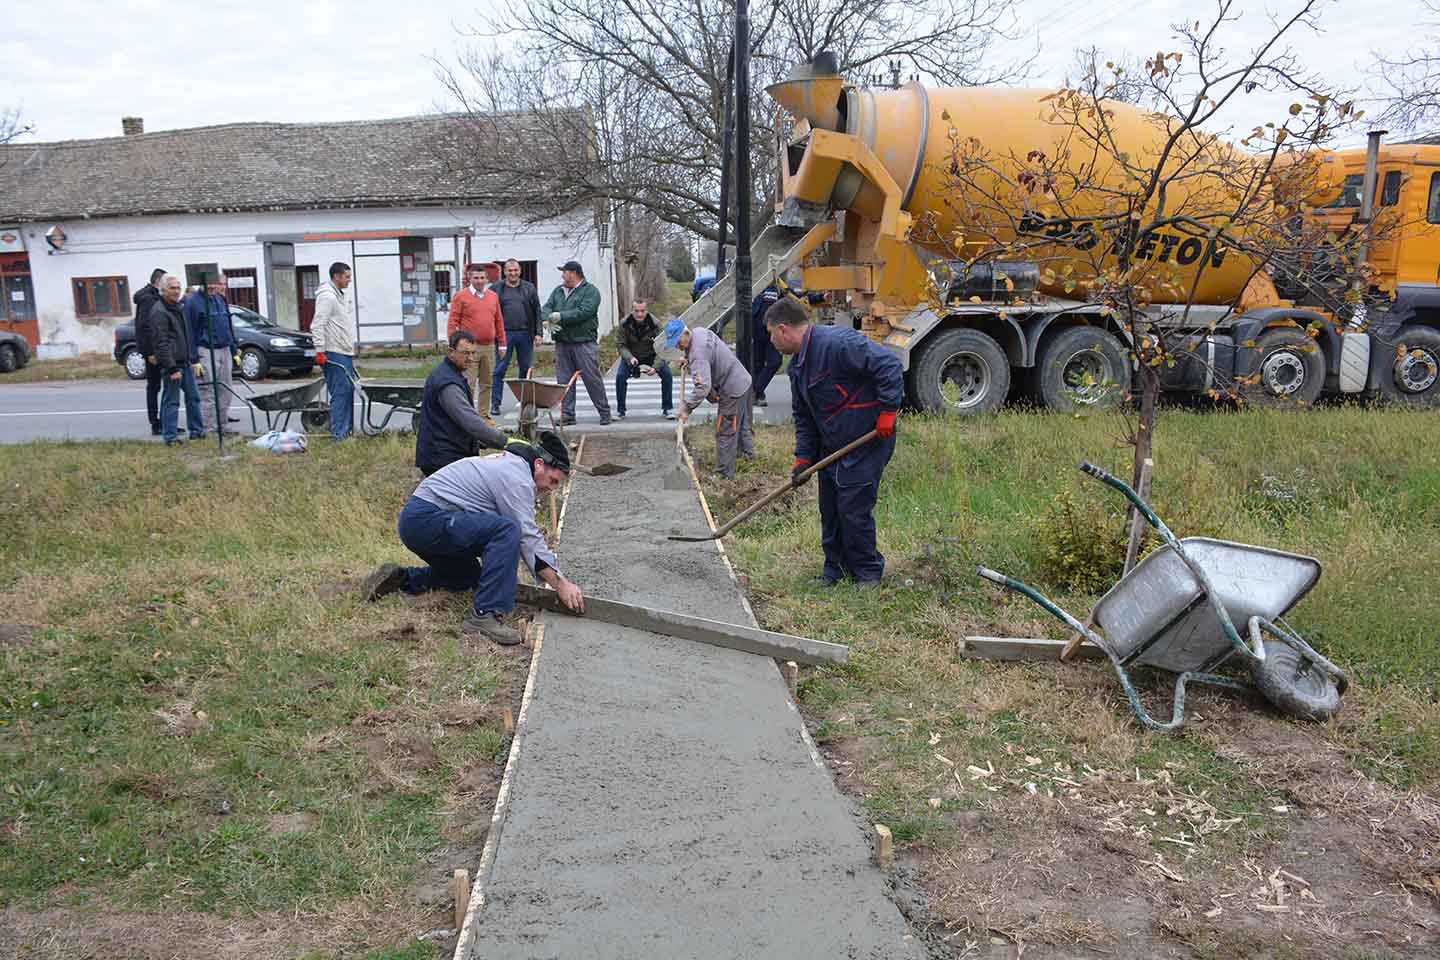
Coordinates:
12	127
1126	76
629	97
1132	209
1412	80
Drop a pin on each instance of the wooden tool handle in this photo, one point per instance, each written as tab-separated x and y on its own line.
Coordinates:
779	492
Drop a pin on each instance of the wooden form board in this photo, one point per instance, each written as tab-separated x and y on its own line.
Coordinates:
1015	648
781	646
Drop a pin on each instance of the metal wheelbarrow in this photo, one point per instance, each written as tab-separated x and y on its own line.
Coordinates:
1177	610
536	395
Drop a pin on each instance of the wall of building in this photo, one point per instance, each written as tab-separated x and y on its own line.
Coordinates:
132	246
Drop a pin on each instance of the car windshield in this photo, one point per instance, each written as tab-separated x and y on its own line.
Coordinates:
245	317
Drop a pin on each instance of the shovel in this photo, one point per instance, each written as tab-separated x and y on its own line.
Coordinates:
780	491
679	476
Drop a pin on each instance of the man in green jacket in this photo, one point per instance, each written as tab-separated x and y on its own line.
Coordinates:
573	311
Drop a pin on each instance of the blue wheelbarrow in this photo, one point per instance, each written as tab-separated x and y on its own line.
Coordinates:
1177	610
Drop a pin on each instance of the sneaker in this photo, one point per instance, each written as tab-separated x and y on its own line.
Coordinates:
619	416
387	578
567	421
761	402
669	414
489	625
175	442
605	422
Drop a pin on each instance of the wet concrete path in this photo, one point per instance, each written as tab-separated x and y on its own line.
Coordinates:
665	803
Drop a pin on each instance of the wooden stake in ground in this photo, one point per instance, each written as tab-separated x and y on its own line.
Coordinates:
1137	522
884	847
791	671
462	898
509	720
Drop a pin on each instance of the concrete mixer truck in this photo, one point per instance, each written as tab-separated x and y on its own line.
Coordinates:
861	169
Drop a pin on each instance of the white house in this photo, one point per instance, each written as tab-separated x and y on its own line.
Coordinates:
272	206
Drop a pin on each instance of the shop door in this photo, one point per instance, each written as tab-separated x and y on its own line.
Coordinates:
17	298
307	283
240	287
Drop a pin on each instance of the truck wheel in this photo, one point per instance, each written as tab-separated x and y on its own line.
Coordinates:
1296	686
1291	370
1082	368
961	371
1415	377
9	362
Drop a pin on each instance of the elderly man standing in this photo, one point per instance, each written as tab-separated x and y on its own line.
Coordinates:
450	429
212	341
842	385
172	356
471	522
715	375
334	332
476	310
145	298
520	306
574	310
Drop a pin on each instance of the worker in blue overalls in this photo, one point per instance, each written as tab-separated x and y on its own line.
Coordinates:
767	358
842	385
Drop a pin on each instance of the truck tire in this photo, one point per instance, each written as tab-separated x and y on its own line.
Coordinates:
1294	685
961	371
1291	371
1082	368
1414	379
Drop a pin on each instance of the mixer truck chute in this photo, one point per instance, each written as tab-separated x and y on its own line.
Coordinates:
867	197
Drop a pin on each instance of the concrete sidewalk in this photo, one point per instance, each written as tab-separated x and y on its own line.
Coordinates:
665	803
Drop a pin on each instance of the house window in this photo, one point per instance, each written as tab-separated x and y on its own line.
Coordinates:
101	296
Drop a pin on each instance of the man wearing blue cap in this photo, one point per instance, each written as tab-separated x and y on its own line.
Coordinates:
715	375
842	386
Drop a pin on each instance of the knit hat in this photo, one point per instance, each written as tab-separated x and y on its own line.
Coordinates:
673	329
553	451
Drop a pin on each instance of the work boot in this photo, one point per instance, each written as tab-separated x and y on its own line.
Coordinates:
821	580
386	579
867	584
489	625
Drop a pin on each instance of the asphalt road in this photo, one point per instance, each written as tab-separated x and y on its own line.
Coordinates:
115	409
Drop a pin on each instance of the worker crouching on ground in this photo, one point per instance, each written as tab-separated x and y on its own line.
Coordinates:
450	429
471	522
842	385
715	375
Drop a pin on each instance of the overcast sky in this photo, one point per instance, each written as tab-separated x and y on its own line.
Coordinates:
75	68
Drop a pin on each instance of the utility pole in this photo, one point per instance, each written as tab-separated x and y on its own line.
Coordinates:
744	341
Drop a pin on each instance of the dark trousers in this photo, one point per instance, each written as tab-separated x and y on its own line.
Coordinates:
624	372
464	551
768	361
154	381
170	406
847	515
584	357
520	345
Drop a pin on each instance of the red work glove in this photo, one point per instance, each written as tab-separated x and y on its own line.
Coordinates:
885	423
320	358
801	465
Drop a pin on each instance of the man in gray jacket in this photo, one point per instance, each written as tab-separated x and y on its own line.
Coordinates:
471	522
334	331
715	375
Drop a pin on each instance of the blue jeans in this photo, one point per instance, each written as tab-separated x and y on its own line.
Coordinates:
170	406
338	370
520	346
465	551
623	374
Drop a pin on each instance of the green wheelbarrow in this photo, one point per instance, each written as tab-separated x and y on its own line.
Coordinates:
1177	610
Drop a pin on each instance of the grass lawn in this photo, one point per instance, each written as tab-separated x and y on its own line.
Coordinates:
87	366
209	746
1026	798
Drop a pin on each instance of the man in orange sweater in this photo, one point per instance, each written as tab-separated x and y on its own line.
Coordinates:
476	310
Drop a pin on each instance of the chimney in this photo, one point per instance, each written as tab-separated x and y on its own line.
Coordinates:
132	126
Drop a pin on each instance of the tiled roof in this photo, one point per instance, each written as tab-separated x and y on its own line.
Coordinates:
264	166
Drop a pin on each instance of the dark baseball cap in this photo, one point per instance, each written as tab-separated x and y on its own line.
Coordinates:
553	450
573	265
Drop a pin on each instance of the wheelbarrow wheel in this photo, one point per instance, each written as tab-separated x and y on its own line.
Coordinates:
315	419
1295	684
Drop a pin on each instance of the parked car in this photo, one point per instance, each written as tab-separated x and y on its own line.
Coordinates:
14	351
265	347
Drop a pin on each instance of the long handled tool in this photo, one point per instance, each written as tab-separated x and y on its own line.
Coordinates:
679	476
780	491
